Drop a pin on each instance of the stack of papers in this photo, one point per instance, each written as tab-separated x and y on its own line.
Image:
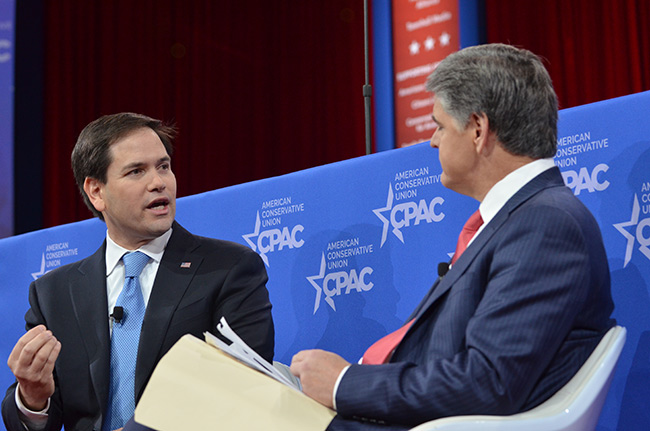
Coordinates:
238	349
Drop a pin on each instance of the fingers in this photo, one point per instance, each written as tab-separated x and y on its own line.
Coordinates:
32	361
23	341
34	353
48	366
318	371
300	360
34	356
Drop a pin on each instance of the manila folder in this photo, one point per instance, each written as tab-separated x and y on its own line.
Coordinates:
196	386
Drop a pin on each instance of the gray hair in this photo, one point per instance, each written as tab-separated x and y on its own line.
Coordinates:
510	86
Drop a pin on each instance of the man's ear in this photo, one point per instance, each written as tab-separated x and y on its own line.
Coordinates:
95	191
482	137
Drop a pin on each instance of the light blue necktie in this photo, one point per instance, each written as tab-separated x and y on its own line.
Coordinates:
124	344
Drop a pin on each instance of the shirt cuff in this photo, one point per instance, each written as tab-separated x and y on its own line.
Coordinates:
336	386
31	419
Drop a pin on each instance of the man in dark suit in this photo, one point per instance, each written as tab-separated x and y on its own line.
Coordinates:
522	308
65	364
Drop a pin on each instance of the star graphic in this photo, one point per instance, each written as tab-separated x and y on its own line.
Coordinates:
414	48
429	43
378	212
312	279
247	237
36	275
444	39
634	220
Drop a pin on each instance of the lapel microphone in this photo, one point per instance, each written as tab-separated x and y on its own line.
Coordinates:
443	268
118	314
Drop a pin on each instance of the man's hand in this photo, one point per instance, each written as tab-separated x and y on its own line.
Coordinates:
318	371
32	362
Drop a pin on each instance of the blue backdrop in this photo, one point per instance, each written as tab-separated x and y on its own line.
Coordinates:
351	247
7	13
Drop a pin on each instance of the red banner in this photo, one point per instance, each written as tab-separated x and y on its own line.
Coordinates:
424	32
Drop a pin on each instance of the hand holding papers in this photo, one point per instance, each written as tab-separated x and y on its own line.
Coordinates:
238	349
198	386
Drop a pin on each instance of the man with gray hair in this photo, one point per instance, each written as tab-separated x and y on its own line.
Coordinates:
527	295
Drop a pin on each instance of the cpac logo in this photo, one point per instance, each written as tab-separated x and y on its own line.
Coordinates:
268	240
407	213
340	282
638	234
583	180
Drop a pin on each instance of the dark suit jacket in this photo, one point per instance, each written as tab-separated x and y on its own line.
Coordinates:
223	279
505	328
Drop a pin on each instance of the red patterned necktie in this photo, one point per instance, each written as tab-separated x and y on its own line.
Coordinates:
469	230
381	351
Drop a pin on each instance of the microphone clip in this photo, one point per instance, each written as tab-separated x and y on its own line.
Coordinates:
118	314
443	269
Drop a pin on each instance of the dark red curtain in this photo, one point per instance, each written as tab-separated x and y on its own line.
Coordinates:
595	49
261	88
257	88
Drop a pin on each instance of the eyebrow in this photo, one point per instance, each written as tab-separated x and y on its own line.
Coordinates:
139	164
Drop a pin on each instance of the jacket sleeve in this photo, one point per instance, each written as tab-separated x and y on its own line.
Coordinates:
10	412
244	301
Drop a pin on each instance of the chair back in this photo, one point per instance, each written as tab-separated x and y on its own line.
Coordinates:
575	407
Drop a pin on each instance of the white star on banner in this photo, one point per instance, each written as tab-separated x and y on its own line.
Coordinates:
429	43
312	279
386	222
444	39
634	220
414	47
247	237
36	275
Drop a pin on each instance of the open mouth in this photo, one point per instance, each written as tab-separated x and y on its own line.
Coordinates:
158	204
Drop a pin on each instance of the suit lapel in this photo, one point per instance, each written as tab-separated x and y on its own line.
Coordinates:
549	178
87	287
172	280
445	283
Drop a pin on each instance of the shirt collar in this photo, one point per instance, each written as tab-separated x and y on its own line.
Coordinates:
154	249
502	191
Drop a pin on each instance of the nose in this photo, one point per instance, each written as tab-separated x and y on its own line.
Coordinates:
434	141
157	183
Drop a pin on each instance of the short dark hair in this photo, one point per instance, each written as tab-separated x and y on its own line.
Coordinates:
507	84
91	155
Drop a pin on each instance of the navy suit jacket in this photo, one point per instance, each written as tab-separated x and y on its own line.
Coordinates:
223	279
509	324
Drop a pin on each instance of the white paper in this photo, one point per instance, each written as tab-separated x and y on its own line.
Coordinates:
238	349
